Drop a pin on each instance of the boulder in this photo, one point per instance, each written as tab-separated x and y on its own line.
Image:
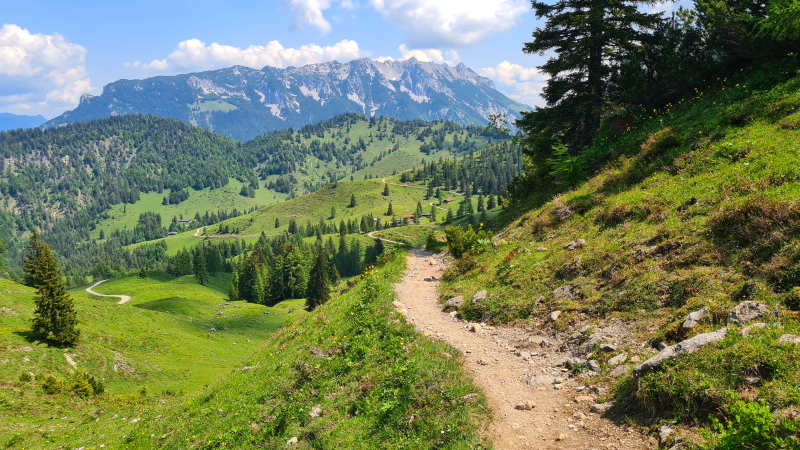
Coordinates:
599	408
789	339
316	411
750	328
664	433
479	296
583	399
588	345
688	346
593	365
574	245
526	406
747	311
475	327
455	302
617	360
607	348
619	371
291	441
553	316
693	318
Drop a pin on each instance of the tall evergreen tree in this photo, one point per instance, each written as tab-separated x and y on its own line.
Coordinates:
386	189
233	292
390	211
352	201
54	316
418	213
35	245
199	267
319	283
590	39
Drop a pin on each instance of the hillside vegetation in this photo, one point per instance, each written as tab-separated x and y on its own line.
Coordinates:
699	209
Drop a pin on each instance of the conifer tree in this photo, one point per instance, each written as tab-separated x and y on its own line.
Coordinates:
433	213
142	273
390	211
199	267
481	205
491	204
54	316
233	292
450	216
319	283
352	201
32	260
386	189
418	213
277	223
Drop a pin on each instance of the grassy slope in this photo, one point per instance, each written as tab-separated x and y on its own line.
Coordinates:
159	341
707	191
379	384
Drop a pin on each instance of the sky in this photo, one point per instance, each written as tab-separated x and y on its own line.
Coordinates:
51	52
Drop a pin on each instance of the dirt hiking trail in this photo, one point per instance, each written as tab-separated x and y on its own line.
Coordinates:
122	298
561	414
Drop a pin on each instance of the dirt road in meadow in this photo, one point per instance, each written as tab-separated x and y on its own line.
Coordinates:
122	298
561	416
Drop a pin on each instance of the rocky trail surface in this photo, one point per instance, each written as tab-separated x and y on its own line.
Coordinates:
537	402
122	298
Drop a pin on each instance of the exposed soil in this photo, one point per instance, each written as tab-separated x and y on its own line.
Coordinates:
560	416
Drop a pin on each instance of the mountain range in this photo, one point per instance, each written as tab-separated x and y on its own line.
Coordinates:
10	121
242	102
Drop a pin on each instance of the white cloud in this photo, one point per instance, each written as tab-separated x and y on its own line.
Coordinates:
525	84
195	54
426	55
308	13
40	73
435	23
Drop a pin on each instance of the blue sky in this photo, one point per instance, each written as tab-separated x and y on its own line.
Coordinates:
53	51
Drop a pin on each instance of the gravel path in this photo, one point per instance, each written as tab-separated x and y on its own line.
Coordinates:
122	298
560	416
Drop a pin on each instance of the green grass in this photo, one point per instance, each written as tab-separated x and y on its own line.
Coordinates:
225	198
379	385
706	192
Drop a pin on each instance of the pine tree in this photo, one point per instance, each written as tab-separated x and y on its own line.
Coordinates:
54	316
418	213
481	207
390	211
142	273
352	201
386	189
450	216
491	204
433	213
35	245
199	267
319	283
233	292
277	223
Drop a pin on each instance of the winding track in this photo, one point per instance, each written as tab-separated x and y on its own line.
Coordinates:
122	298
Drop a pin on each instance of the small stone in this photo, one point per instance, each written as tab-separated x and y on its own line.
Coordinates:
398	305
617	360
316	411
607	348
693	318
292	441
599	408
479	296
553	316
455	302
561	437
593	365
475	327
526	406
564	292
579	415
789	339
598	390
619	371
665	432
752	381
583	399
541	249
750	328
747	311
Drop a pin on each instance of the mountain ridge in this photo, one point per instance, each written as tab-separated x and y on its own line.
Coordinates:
242	102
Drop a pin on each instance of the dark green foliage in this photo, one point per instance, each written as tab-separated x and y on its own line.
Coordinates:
54	317
386	189
319	283
142	273
32	260
199	267
460	241
752	425
353	203
390	210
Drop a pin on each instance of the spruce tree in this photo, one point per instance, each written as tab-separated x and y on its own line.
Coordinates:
450	216
386	189
433	213
32	260
418	213
277	223
54	316
233	292
352	201
142	273
199	267
390	211
491	204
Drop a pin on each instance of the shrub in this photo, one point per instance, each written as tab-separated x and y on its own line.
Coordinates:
53	385
751	425
460	241
25	377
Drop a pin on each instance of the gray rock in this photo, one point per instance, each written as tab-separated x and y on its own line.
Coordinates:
789	339
398	305
479	296
688	346
553	316
533	342
598	390
316	411
292	441
525	406
693	318
539	379
599	408
475	327
570	363
455	302
593	365
619	371
750	328
665	432
747	311
541	249
588	346
607	348
574	245
617	360
564	293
